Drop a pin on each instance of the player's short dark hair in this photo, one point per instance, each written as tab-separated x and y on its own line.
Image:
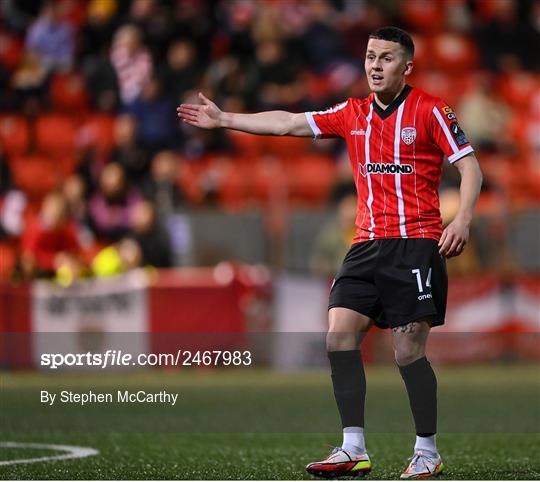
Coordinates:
394	34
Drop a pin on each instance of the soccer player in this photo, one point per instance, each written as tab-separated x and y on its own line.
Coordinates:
394	275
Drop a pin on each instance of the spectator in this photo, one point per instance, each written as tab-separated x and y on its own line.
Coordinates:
110	207
98	30
155	20
162	186
180	72
484	117
50	241
132	62
335	239
155	116
95	39
51	38
128	151
506	38
12	202
152	238
74	191
117	258
6	181
273	77
29	83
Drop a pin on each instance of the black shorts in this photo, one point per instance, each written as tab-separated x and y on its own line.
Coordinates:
393	281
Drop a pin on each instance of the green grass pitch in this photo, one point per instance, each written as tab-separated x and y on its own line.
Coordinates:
257	424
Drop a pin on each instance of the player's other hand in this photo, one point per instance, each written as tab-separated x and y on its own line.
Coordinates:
454	238
206	115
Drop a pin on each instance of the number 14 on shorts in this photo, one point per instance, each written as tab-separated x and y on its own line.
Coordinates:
419	279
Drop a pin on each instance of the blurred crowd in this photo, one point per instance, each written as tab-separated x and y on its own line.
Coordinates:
95	167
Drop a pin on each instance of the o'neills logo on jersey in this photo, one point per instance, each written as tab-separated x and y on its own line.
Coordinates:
386	168
359	132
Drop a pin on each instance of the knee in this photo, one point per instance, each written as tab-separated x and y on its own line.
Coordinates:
405	355
341	341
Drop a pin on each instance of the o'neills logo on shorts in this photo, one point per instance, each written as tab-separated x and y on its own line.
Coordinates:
384	168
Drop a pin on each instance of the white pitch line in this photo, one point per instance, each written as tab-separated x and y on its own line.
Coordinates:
72	452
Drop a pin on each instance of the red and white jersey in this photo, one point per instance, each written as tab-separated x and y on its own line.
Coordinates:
396	156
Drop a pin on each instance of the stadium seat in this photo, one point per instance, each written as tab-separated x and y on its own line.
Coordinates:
56	134
286	147
14	133
436	83
35	174
518	87
11	50
74	12
453	53
97	130
246	146
317	87
68	93
189	179
268	180
8	259
233	186
421	51
423	15
310	179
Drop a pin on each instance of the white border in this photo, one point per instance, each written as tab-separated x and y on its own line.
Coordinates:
311	121
458	155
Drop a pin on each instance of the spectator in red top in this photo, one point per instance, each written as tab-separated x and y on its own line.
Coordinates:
50	241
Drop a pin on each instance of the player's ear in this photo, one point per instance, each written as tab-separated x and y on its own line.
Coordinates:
408	67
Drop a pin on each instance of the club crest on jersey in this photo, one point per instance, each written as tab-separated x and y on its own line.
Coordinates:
408	135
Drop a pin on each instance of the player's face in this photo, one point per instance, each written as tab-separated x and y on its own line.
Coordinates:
386	66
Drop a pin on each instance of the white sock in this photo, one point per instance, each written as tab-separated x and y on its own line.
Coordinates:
426	444
353	440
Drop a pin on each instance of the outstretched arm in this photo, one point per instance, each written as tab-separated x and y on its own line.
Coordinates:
273	123
456	234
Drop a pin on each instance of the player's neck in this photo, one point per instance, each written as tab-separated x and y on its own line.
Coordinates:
385	99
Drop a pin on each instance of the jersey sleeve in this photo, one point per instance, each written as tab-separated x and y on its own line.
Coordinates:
328	123
447	134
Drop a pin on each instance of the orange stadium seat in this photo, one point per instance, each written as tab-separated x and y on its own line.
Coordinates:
68	93
421	51
56	134
14	133
35	174
423	15
518	87
311	178
246	145
435	82
11	50
74	11
97	130
316	86
286	147
8	258
233	188
454	53
268	180
188	180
